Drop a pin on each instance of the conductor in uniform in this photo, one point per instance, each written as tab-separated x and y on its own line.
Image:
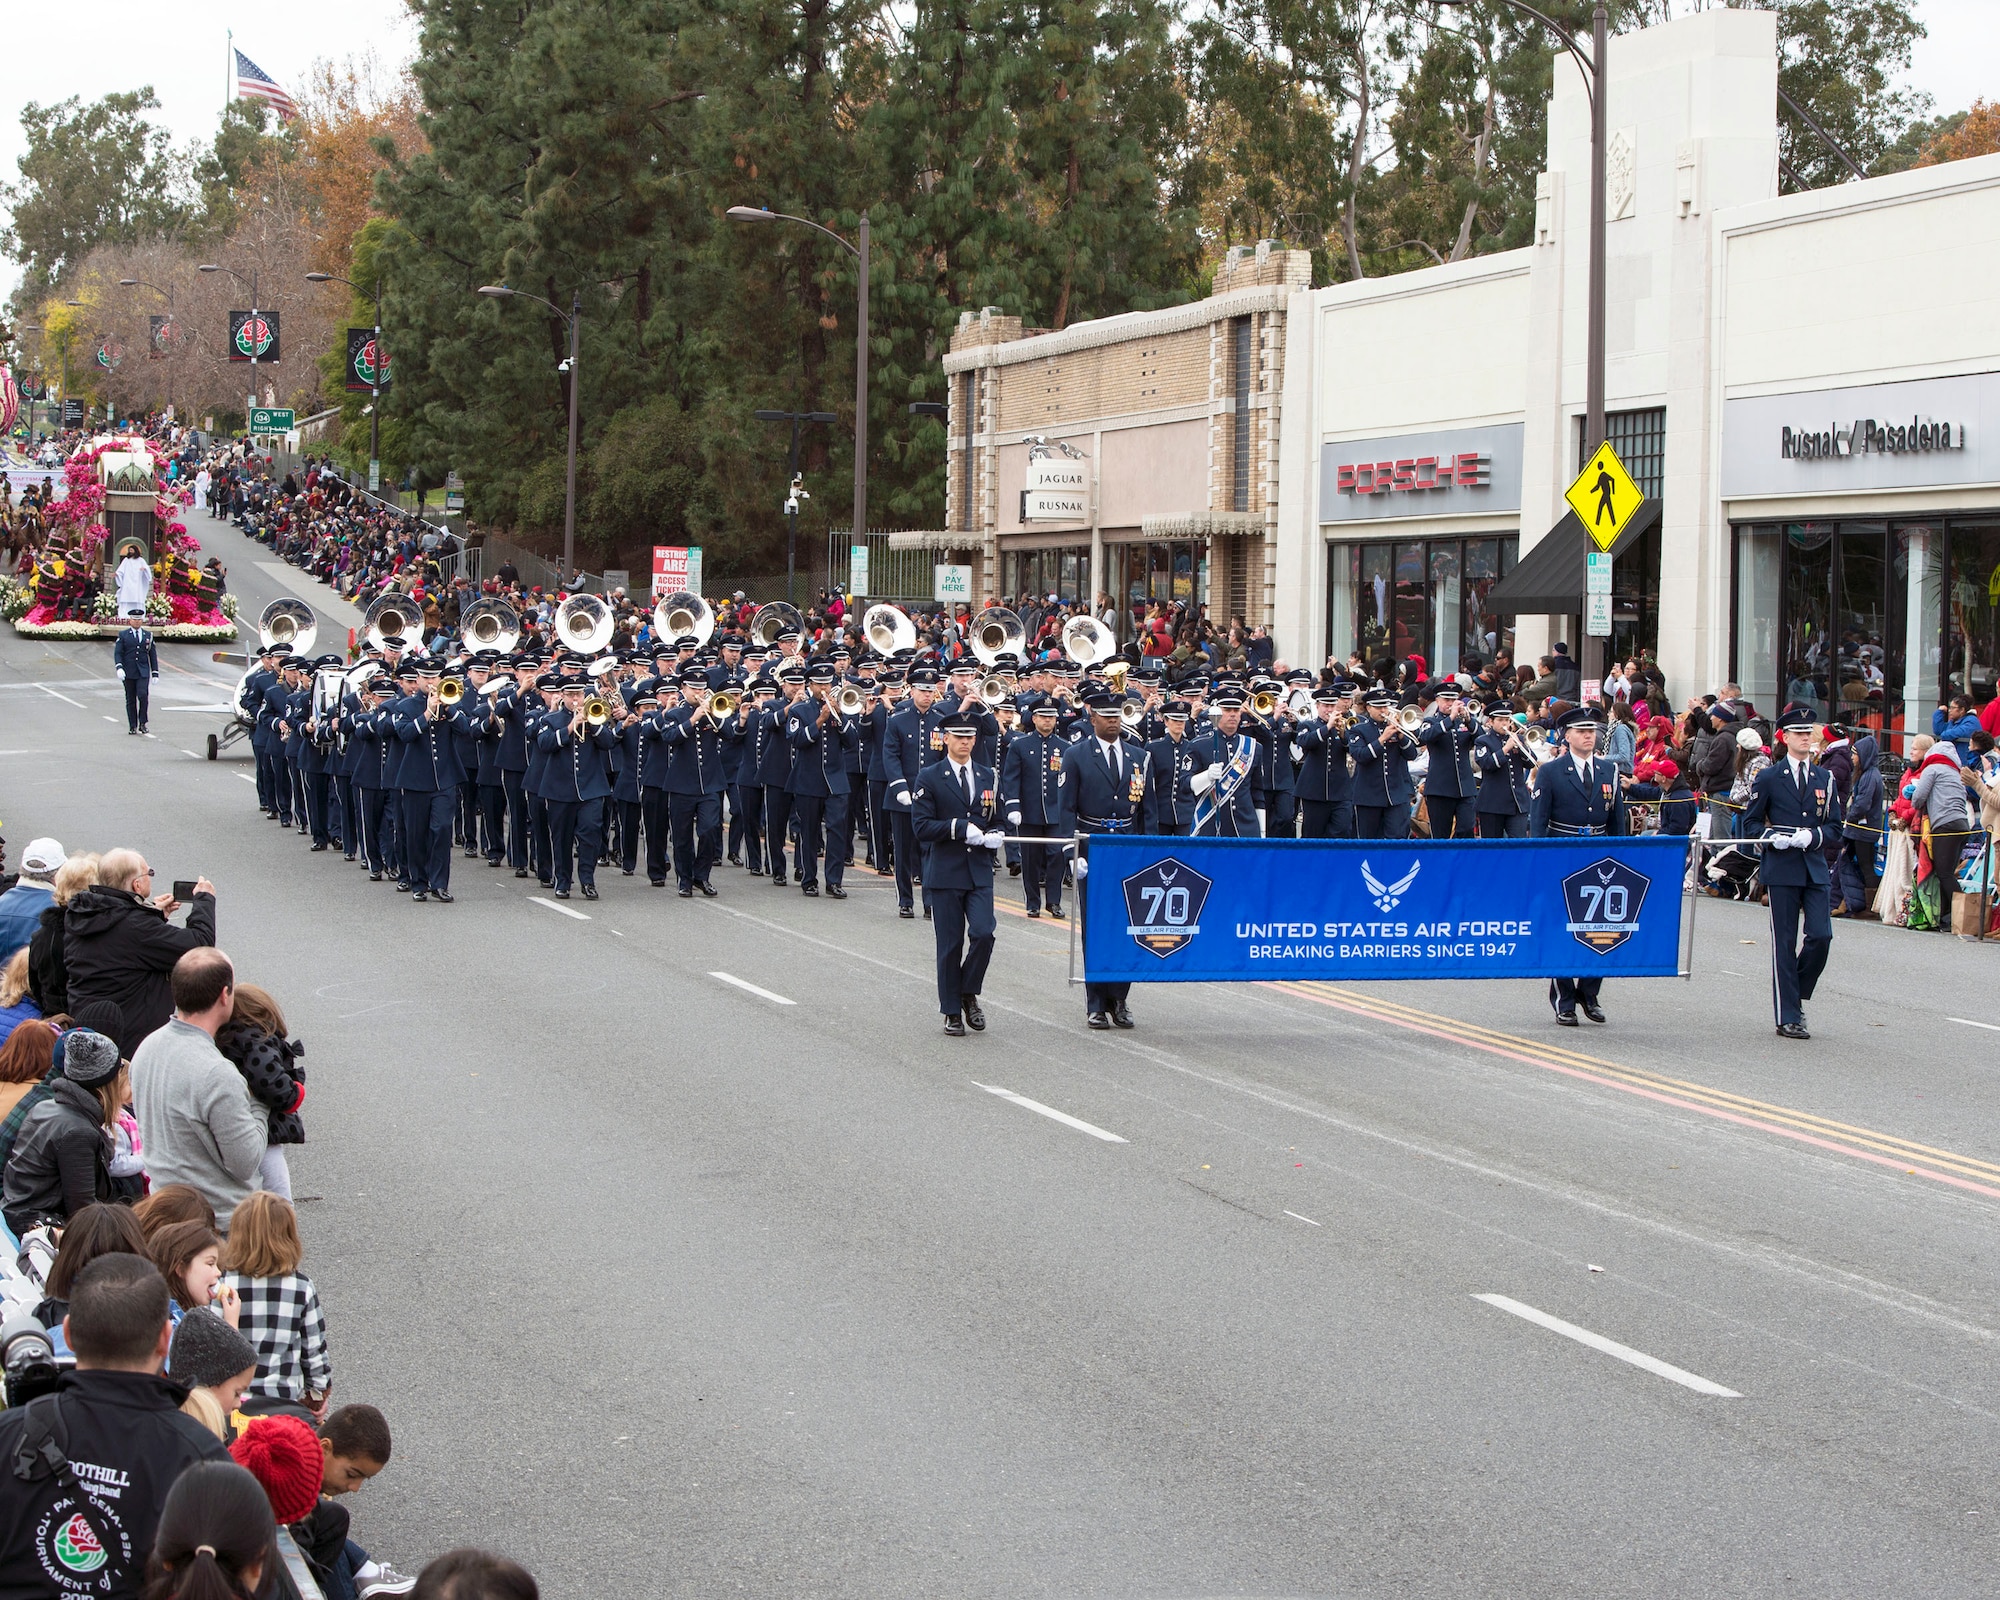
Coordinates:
1577	795
1793	810
1105	789
955	809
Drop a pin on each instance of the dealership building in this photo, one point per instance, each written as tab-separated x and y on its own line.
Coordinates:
1808	387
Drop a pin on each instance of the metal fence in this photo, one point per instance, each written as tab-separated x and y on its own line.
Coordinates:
485	559
892	574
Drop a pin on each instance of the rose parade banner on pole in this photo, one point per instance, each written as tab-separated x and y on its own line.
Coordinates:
1173	910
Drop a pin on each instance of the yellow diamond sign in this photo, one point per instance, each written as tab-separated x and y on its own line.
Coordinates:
1604	497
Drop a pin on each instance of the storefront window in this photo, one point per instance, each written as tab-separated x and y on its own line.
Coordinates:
1042	573
1425	598
1757	566
1805	646
1972	623
1865	660
1170	573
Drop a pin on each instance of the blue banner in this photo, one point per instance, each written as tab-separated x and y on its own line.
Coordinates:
1172	910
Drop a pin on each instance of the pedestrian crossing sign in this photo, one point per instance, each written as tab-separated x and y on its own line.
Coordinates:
1604	497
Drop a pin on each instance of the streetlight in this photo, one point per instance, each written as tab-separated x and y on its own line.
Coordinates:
860	254
36	327
795	418
1596	73
574	317
256	320
374	389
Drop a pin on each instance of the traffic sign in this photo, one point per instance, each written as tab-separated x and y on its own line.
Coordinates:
1597	617
1604	497
272	419
1596	573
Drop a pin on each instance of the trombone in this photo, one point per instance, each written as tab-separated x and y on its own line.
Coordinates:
682	614
450	691
596	711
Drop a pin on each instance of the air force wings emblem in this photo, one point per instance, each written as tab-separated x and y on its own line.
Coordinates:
1387	896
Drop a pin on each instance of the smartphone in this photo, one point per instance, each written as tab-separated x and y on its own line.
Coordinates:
183	890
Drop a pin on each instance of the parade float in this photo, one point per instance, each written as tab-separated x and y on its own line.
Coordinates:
118	501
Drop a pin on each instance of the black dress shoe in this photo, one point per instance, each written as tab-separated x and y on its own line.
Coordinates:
402	888
657	883
734	861
1034	913
1793	1030
906	913
885	872
1121	1018
374	877
317	848
1592	1010
590	891
955	1026
471	855
798	876
495	862
1056	911
520	872
1097	1019
441	894
562	894
708	890
348	859
781	881
813	890
927	913
835	892
418	895
975	1019
1013	869
685	891
628	871
1566	1019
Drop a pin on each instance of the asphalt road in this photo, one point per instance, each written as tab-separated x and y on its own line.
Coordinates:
670	1288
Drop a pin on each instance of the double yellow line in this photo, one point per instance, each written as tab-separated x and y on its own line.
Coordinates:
1863	1144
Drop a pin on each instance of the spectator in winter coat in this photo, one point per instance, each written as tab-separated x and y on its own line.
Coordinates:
48	973
254	1042
60	1163
119	945
1861	831
21	907
1958	723
1939	793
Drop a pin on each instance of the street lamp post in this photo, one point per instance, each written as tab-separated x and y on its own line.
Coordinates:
574	318
1596	75
797	419
375	388
256	318
860	254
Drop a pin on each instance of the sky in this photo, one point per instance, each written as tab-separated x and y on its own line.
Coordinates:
187	62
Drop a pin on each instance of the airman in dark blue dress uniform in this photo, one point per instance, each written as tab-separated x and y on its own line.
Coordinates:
1793	808
955	806
1031	782
1451	785
1504	762
1577	795
1106	788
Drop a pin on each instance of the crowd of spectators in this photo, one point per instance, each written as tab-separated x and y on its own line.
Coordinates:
169	1376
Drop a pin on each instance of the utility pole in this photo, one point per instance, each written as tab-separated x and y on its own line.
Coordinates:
797	419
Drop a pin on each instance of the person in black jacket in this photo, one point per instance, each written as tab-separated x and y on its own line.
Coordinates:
115	1420
119	945
254	1041
48	973
61	1159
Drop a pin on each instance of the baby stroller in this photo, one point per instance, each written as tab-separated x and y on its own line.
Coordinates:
1731	873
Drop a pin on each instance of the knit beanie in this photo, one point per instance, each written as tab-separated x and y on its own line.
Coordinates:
99	1016
207	1351
282	1453
89	1059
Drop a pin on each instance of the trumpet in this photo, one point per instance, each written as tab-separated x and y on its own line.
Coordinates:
682	614
288	622
888	629
490	624
774	617
722	703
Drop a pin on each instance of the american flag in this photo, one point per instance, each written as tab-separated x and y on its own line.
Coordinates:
254	83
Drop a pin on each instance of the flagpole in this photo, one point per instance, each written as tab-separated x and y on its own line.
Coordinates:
228	67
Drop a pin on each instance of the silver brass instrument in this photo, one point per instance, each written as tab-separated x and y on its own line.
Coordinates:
490	624
1086	641
888	630
357	678
681	614
848	701
329	684
994	691
1300	704
1132	713
288	622
600	666
1409	719
392	622
773	618
997	632
584	624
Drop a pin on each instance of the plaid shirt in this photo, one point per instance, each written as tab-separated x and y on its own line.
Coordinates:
281	1319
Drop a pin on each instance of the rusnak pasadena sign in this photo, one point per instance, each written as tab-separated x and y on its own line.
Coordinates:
1452	472
1927	433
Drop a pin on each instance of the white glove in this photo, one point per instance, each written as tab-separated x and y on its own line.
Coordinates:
121	674
1081	870
1802	838
1013	819
975	836
903	797
1205	780
1781	841
996	842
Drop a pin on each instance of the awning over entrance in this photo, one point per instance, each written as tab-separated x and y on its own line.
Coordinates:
1549	580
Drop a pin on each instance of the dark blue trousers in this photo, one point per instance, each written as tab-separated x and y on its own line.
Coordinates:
1796	966
540	849
963	921
1327	819
517	819
576	835
1450	818
697	820
777	819
747	807
822	823
426	820
1041	867
909	855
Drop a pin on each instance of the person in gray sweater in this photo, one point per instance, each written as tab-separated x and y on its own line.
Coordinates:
196	1118
1939	793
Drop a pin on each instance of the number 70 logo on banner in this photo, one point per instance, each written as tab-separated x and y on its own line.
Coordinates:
1163	905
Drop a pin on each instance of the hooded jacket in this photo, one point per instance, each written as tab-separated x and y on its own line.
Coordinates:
48	978
122	949
122	1430
270	1067
1864	798
60	1162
